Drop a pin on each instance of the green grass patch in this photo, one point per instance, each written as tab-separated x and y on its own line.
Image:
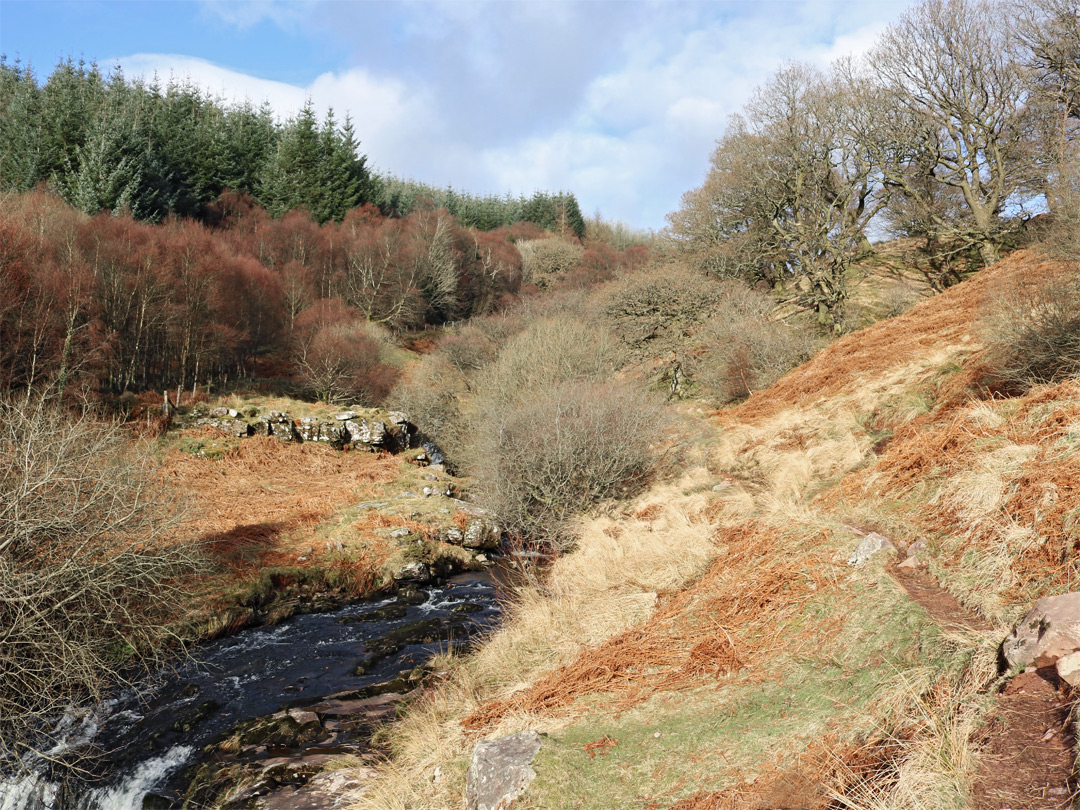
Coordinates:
724	735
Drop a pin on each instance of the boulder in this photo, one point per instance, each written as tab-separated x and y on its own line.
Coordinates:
1049	631
501	769
1068	669
916	555
434	454
313	430
415	571
280	426
482	533
230	427
303	718
868	547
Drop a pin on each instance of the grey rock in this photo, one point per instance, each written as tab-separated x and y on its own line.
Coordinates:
303	718
1049	631
501	770
230	427
482	533
415	571
369	432
217	413
344	416
870	545
397	418
402	532
312	430
281	427
434	454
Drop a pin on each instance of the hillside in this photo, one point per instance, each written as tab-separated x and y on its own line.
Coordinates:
710	646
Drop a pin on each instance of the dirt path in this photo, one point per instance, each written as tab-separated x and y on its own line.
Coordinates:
1027	748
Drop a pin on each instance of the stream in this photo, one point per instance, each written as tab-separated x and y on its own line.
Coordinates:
145	739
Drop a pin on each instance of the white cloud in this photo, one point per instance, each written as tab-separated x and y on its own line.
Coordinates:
392	121
619	102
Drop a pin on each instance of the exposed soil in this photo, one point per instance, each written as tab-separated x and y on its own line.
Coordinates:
939	603
1027	758
1027	749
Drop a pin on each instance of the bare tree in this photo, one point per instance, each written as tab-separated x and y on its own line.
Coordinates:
724	227
91	572
380	280
954	110
341	363
1050	30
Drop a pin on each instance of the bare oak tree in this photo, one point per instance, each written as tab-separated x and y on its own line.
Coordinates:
956	99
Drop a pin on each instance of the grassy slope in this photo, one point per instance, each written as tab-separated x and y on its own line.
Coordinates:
710	648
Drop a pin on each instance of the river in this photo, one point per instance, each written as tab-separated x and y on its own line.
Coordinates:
145	738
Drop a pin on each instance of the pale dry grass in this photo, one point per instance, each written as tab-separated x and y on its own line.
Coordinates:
984	574
791	451
608	584
934	764
815	427
980	491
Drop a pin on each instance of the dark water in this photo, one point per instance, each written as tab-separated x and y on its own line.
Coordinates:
146	739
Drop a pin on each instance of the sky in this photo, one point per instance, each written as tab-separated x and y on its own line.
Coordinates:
618	101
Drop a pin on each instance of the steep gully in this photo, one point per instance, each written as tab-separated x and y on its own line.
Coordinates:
148	742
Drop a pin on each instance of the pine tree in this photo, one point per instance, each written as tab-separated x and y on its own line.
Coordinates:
20	128
293	173
101	177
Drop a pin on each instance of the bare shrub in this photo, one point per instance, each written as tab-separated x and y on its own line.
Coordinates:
566	450
1032	330
342	363
545	261
1062	239
743	350
477	343
655	312
550	352
90	569
432	395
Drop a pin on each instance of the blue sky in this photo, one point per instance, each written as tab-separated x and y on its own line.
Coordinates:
619	101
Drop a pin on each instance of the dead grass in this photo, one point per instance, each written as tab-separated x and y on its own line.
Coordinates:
944	320
717	642
997	482
699	634
262	489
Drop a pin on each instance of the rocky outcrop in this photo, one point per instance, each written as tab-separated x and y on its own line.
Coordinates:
278	758
501	769
390	431
1049	632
